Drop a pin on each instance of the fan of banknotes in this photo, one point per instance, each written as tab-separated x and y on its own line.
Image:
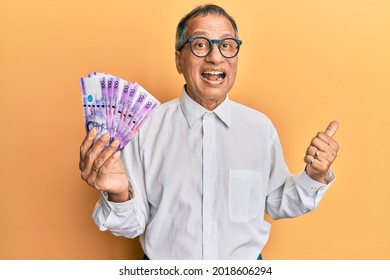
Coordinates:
115	106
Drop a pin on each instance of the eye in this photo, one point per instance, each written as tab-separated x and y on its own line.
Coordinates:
200	44
226	45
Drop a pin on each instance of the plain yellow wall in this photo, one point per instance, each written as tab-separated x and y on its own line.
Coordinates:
303	63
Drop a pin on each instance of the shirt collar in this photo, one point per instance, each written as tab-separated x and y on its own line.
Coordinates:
194	111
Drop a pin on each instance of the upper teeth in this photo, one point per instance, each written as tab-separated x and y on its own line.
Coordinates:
213	73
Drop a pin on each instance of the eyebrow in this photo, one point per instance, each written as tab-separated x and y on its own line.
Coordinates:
200	33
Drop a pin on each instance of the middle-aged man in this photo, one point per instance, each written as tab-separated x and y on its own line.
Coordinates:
196	180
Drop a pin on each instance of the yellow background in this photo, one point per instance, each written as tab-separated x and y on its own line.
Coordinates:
303	63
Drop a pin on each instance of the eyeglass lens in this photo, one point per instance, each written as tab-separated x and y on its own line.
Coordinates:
201	47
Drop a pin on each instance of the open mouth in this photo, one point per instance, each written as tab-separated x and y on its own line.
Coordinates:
213	75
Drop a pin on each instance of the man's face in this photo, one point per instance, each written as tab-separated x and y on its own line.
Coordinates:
210	78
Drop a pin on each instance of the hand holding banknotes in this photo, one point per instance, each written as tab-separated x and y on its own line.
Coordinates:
103	170
321	153
114	110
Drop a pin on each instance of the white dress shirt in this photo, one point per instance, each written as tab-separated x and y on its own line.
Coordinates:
203	180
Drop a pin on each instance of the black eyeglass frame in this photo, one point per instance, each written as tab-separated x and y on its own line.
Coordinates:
211	42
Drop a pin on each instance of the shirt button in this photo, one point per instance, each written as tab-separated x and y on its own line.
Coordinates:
209	138
313	188
210	169
210	236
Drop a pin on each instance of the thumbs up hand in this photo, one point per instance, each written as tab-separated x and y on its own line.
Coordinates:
321	153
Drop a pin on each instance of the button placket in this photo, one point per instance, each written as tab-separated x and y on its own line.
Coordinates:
209	161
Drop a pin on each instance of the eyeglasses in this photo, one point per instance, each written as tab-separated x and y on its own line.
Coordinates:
202	47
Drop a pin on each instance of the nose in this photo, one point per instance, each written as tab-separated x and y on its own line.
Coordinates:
215	55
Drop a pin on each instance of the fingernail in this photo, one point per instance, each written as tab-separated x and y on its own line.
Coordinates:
92	131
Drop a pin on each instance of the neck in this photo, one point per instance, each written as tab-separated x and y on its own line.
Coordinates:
208	104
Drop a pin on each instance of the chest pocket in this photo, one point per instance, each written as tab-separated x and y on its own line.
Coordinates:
245	195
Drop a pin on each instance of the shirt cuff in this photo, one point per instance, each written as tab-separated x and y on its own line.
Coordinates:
117	207
312	186
110	215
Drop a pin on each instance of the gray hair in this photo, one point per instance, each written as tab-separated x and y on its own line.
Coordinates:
200	10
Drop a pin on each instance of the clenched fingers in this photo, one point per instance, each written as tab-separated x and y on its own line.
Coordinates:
90	152
321	152
321	149
100	161
102	164
102	180
85	146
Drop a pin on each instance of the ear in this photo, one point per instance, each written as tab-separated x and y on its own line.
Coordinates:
177	60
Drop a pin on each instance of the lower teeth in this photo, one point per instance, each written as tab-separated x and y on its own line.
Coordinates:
219	78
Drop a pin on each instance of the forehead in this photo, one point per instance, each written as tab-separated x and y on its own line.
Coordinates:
212	26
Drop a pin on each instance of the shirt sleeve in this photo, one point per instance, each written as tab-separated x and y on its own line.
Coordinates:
128	218
292	195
